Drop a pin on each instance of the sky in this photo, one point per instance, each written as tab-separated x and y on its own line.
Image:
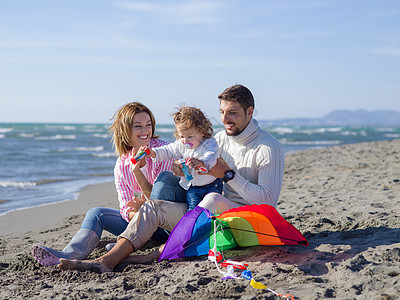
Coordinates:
78	61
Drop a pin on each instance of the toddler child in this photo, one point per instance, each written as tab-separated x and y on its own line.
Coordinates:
194	143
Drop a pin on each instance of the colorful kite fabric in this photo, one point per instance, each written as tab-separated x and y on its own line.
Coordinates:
249	225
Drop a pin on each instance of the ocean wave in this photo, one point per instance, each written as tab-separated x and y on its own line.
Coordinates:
311	143
102	136
282	130
171	129
320	130
6	129
392	135
348	133
63	192
90	149
56	137
385	129
17	184
26	135
108	154
308	131
363	133
60	126
2	136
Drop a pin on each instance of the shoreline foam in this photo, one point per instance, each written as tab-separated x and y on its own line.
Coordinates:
71	188
51	214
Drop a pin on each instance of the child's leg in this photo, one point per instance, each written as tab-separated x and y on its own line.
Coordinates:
194	195
214	187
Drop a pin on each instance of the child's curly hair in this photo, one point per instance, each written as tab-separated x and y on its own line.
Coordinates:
189	116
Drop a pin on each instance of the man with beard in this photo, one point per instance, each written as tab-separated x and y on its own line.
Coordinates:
251	166
252	160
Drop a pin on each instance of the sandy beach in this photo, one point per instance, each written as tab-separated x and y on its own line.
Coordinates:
345	200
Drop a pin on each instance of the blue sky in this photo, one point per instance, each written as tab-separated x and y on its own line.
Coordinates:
80	60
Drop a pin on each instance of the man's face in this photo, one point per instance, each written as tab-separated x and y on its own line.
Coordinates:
234	117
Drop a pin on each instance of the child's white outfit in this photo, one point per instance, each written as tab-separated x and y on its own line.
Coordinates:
206	151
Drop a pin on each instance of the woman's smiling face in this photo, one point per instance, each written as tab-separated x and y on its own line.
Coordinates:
141	130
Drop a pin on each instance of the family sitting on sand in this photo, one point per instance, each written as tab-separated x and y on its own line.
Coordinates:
247	159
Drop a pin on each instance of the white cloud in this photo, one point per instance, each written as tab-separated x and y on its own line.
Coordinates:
391	51
186	12
383	12
294	5
139	6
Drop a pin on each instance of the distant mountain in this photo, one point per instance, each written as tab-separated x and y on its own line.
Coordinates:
344	117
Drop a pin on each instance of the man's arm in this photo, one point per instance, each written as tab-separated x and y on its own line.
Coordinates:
265	192
269	184
219	168
270	163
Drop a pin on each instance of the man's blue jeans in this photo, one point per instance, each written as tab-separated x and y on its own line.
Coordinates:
166	187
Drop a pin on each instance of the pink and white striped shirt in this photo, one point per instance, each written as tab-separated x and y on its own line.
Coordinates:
125	181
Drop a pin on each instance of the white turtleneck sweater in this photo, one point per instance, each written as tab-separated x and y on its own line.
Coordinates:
258	160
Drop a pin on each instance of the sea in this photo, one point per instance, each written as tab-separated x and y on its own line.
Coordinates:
47	163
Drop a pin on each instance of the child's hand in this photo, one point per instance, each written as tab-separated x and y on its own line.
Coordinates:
194	162
147	148
177	168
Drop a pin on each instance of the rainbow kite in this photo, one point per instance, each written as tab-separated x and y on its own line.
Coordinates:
246	226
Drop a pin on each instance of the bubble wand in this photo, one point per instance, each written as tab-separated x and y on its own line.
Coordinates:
185	169
139	156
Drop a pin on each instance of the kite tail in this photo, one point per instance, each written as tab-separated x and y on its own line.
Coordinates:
258	285
215	256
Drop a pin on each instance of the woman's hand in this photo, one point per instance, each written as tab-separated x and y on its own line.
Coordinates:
135	205
140	164
144	185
